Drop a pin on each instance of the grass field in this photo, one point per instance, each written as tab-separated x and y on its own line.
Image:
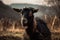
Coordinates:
12	30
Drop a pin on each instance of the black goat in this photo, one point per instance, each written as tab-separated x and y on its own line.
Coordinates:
38	32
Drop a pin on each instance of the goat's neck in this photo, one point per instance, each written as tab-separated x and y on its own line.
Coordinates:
30	21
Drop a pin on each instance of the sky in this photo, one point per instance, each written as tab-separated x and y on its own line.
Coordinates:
38	2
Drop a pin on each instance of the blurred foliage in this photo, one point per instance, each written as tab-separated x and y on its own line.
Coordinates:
54	4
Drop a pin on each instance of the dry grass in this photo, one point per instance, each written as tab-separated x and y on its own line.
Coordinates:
14	28
11	28
53	23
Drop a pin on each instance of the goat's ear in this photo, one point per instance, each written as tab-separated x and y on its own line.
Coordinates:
35	10
17	10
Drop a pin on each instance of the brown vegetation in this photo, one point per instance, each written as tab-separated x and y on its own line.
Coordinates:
53	23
